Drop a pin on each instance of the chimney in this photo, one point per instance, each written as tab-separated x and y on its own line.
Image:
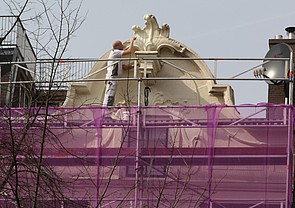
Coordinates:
290	32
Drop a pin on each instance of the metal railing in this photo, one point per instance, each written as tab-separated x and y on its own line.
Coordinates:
62	72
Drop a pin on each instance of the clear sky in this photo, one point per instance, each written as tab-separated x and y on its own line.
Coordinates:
220	28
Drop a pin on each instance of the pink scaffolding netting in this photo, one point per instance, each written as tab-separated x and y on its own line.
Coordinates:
180	156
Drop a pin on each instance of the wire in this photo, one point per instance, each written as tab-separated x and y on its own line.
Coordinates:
147	91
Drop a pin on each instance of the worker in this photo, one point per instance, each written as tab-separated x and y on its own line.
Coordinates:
114	70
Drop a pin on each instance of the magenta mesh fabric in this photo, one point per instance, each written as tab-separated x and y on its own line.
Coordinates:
180	156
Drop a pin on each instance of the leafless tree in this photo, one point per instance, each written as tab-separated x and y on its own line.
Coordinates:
25	178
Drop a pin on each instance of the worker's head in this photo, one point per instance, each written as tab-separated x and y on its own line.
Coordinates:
118	45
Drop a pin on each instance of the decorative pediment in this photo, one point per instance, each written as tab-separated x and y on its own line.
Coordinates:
152	45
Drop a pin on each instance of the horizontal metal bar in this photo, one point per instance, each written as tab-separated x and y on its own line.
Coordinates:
137	79
42	61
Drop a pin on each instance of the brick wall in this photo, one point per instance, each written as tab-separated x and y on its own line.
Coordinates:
276	94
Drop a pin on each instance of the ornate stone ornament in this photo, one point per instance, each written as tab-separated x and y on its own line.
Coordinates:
153	38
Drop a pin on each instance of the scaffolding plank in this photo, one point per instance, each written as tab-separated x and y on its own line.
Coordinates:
166	156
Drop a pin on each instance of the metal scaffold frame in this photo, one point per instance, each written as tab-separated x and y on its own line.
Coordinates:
211	122
71	71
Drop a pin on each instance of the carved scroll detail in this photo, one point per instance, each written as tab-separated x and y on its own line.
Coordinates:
153	38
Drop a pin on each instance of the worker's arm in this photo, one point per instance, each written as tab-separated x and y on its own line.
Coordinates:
129	49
